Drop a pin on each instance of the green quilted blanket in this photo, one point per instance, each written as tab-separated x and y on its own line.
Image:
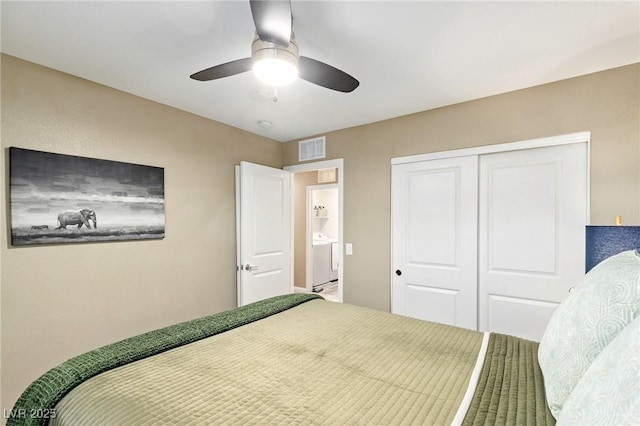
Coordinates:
35	405
320	363
510	389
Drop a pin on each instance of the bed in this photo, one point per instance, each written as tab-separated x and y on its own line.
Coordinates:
274	362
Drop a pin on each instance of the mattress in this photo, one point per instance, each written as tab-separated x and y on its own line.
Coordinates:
283	366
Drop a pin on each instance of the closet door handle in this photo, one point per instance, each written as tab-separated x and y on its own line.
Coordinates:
249	267
398	272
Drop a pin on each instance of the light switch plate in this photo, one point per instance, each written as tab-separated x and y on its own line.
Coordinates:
348	249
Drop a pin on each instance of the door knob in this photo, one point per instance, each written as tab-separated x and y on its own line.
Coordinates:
398	272
249	267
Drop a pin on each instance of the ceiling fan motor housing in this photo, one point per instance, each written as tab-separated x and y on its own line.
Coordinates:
261	49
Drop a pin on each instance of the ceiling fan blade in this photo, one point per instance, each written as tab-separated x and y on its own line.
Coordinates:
324	75
273	20
223	70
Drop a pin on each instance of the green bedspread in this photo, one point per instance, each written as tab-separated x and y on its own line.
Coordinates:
510	389
35	405
302	363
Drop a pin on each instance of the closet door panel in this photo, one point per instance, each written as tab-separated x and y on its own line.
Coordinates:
522	218
434	240
532	215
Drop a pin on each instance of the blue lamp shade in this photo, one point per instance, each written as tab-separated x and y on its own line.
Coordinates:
606	241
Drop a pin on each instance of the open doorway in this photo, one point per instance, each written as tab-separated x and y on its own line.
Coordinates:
318	228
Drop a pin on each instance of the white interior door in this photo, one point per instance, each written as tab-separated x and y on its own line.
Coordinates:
533	212
434	225
263	202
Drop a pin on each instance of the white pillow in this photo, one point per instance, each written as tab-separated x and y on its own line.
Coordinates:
609	392
593	314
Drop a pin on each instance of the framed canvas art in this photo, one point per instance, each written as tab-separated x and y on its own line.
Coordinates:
58	198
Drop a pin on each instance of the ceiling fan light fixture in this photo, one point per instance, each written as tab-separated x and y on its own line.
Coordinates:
275	72
273	64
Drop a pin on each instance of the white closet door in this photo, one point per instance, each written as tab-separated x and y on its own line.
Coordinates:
434	240
532	217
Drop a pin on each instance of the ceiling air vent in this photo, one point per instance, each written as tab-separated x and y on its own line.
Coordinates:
312	149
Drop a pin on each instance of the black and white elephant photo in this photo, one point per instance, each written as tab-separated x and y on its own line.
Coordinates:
55	199
82	217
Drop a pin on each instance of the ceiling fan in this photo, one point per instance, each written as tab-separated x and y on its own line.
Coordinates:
274	54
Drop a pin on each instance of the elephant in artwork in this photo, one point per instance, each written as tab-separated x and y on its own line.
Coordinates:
77	218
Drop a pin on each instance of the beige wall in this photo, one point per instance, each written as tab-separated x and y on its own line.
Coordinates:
605	103
60	301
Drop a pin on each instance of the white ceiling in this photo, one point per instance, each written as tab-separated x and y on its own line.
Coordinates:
408	56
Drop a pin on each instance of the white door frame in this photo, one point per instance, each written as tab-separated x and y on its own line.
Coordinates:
579	137
337	163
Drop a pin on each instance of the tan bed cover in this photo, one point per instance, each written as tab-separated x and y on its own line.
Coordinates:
317	363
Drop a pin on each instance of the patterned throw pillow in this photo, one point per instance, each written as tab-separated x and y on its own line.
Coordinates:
593	314
609	392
